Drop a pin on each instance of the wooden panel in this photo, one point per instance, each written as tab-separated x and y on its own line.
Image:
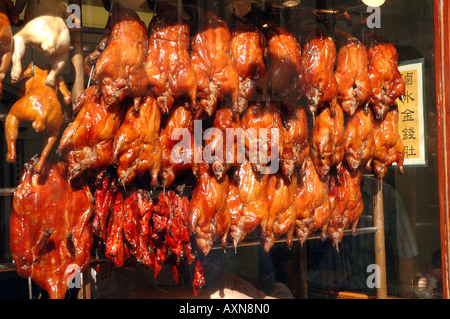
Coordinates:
442	58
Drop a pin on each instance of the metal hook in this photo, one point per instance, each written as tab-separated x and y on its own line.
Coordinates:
90	75
32	61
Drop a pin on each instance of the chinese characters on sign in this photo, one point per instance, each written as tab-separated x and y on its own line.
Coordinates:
411	117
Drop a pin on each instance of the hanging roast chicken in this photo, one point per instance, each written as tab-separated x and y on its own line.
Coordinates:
87	143
168	64
120	58
345	201
137	148
387	82
352	76
41	106
248	50
318	65
211	57
284	65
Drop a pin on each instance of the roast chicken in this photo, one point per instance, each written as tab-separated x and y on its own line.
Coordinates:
284	65
389	146
281	218
41	106
179	150
247	201
211	57
8	15
248	48
359	139
209	216
387	82
346	203
296	145
224	143
50	229
354	85
327	139
45	29
120	58
87	143
311	203
264	136
137	148
168	64
318	65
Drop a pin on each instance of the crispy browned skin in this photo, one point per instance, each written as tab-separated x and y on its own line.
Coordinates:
168	63
226	147
247	201
318	63
359	139
311	203
178	145
120	67
387	82
389	147
50	229
281	218
296	146
327	139
41	106
8	15
209	216
247	47
137	148
212	60
262	121
284	65
87	143
346	203
354	85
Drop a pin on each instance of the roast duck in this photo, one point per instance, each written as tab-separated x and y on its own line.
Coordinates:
195	135
51	227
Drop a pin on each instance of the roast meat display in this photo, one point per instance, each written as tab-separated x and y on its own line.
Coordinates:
194	133
51	227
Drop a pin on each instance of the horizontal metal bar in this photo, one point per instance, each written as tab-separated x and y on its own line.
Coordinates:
7	267
7	191
361	231
347	232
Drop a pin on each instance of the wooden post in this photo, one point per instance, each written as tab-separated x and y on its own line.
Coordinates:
380	255
442	69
